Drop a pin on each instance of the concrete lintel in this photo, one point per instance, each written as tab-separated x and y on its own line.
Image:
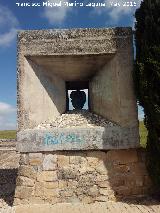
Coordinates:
116	137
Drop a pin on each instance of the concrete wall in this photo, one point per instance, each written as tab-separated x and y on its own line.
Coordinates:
105	53
44	97
103	92
111	89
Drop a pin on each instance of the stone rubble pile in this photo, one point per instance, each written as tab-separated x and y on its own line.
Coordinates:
75	118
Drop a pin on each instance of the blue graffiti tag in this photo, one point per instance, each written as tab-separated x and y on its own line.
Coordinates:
50	139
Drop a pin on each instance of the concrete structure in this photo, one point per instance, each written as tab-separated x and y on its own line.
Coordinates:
77	164
100	59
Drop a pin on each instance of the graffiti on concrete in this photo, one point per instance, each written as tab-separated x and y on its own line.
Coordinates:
50	139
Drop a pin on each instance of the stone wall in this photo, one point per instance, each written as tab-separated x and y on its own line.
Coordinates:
7	140
8	144
87	177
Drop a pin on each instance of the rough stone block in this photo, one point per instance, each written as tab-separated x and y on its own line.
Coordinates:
100	155
39	189
23	192
49	162
122	156
103	184
86	169
139	168
49	193
92	161
146	190
136	190
51	185
120	180
62	184
102	198
122	169
123	191
93	191
87	180
23	159
87	199
101	178
136	180
63	160
36	200
106	192
47	176
66	193
27	171
72	184
76	160
35	159
102	168
67	173
139	180
24	181
18	201
147	181
73	200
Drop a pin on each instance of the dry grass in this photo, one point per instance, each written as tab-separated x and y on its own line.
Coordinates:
8	134
143	134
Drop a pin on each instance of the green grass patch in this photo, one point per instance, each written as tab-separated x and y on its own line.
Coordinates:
8	134
143	134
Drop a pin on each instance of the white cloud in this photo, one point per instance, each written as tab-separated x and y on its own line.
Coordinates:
56	15
7	116
8	26
115	13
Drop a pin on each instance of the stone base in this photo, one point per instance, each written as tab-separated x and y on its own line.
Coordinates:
82	176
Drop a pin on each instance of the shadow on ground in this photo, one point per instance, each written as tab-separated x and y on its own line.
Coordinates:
8	185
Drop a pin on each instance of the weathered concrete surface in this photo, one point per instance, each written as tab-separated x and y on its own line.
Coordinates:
48	58
72	67
116	137
111	90
43	96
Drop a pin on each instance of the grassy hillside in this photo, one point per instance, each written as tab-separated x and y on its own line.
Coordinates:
143	134
8	134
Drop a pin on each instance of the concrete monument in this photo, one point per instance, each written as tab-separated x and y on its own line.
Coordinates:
79	156
100	60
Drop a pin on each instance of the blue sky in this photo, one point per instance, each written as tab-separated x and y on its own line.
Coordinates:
14	17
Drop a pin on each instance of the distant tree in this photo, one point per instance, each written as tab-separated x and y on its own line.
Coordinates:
147	78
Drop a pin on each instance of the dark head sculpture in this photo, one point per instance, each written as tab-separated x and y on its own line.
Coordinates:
78	99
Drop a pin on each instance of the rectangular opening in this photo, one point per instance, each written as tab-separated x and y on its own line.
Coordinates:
77	95
71	107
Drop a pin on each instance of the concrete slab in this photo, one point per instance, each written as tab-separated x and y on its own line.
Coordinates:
116	137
